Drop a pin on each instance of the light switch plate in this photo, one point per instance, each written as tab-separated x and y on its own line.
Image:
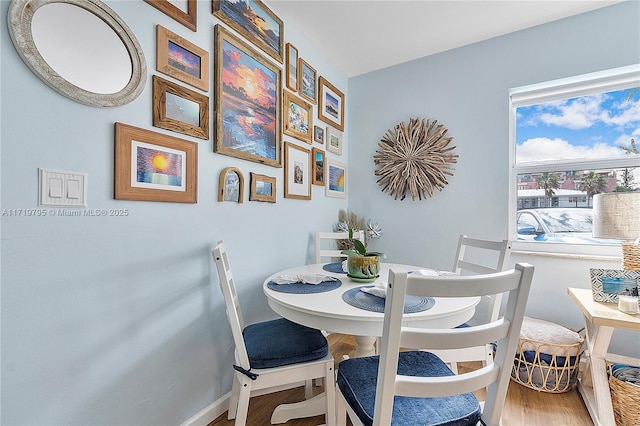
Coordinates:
62	189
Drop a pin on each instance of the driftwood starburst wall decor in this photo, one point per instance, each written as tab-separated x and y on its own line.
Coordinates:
415	158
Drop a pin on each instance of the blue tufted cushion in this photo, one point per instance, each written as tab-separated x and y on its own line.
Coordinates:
282	342
357	378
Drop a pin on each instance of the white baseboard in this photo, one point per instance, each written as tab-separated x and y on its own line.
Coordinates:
209	413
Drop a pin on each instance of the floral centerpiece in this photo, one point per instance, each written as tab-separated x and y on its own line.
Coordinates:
363	265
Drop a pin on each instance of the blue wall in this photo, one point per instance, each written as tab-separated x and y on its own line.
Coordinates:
119	320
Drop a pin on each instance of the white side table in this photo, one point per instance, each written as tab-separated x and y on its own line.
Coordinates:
601	319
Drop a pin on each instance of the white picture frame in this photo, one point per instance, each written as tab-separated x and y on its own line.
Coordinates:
336	179
333	140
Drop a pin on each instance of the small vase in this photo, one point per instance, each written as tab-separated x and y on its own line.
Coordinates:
363	268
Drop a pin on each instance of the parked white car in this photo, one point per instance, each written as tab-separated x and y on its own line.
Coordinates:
558	225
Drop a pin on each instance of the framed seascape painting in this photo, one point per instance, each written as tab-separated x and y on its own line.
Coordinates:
334	140
150	166
181	59
298	118
330	104
291	65
307	81
247	102
180	109
183	11
317	157
263	188
255	21
231	185
608	284
335	179
297	176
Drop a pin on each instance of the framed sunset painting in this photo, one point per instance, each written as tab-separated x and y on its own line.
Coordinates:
335	179
255	21
247	102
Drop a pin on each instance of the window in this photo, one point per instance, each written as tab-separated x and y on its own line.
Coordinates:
571	139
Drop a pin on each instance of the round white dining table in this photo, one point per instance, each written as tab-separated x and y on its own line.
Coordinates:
328	311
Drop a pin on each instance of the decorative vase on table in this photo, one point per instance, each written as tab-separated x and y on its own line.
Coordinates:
363	268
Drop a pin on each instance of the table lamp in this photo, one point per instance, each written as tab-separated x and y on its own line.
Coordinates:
617	215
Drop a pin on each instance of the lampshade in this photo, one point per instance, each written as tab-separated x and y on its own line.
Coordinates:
616	215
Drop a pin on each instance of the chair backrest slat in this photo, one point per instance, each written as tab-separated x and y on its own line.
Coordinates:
232	303
457	338
445	386
323	239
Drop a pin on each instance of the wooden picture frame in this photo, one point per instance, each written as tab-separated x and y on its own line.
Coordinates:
297	172
318	134
151	166
291	67
608	284
181	59
307	81
298	118
258	24
247	102
189	18
180	109
263	188
231	185
335	179
317	159
334	140
330	104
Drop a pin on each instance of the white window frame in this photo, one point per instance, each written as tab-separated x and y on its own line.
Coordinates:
587	84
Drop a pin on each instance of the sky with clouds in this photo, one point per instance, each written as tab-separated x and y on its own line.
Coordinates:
586	127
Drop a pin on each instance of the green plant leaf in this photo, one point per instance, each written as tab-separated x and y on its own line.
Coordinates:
350	253
360	248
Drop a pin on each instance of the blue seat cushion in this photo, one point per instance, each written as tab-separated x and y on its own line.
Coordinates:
282	342
357	378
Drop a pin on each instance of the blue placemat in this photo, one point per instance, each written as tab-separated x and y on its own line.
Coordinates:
302	288
369	302
335	267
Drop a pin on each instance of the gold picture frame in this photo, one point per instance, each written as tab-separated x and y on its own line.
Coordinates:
179	58
307	81
180	109
255	22
291	67
330	104
231	185
263	188
189	18
298	118
151	166
318	159
237	133
297	172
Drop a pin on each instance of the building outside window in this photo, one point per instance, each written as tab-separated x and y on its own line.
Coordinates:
570	140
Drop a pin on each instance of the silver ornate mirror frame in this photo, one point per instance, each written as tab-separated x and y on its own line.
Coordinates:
19	20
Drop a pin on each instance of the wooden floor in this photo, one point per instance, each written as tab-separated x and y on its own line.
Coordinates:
523	406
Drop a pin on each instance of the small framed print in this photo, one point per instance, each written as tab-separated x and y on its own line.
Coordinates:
291	65
334	140
183	11
150	166
330	104
318	134
335	179
181	59
608	284
317	158
298	117
263	188
231	185
180	109
297	176
307	81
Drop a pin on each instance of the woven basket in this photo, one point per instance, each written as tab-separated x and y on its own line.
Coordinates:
625	399
547	370
630	256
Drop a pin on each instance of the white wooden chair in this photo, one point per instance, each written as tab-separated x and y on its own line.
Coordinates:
475	256
326	244
273	355
415	386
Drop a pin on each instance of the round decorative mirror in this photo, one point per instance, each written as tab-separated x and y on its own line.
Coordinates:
80	48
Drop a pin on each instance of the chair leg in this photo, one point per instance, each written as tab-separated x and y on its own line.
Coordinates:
243	403
330	395
233	401
308	389
454	367
341	409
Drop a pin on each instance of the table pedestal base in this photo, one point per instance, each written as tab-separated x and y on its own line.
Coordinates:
365	346
308	408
